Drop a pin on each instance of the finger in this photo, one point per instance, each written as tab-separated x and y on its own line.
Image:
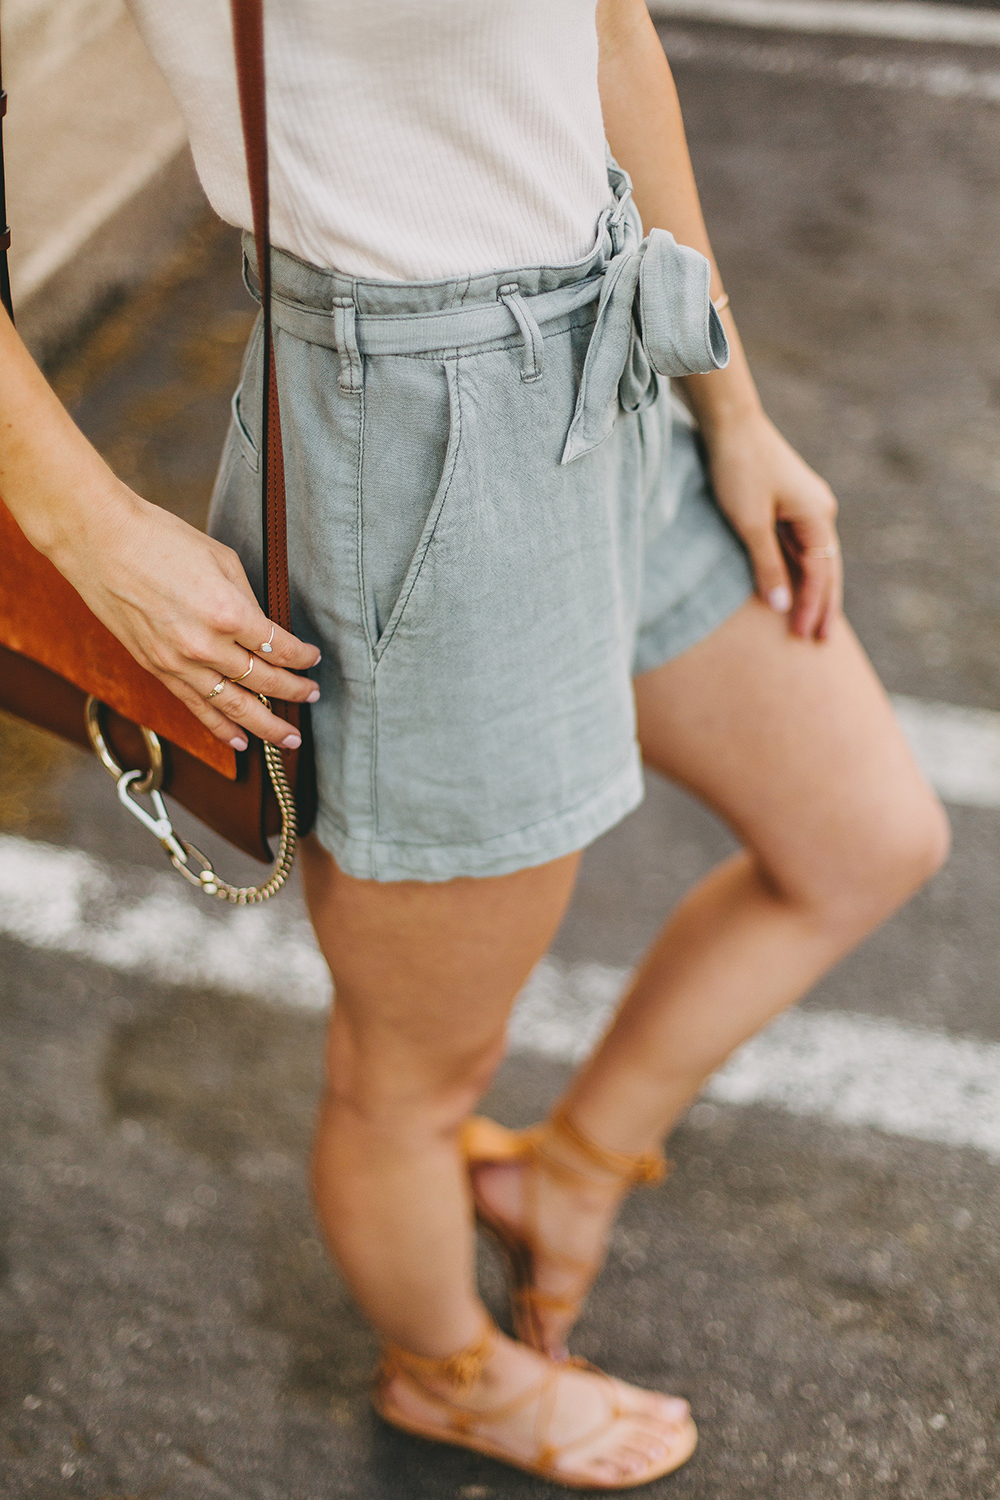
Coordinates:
812	594
834	604
246	710
259	676
813	550
815	553
215	722
286	649
255	631
770	570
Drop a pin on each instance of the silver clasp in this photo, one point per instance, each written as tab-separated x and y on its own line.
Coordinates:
160	826
143	782
185	857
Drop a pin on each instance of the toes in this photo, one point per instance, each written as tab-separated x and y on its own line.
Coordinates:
603	1468
654	1444
631	1456
673	1410
617	1467
676	1410
644	1453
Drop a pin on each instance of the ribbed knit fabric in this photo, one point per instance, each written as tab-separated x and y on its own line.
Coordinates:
409	139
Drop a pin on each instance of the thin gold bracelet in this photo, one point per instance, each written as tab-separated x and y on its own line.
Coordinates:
721	302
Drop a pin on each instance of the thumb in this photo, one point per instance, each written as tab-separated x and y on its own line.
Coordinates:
770	570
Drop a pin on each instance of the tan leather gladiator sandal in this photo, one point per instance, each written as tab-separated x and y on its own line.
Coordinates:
484	1143
466	1428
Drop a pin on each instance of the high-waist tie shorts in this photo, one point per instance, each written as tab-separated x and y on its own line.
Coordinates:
496	516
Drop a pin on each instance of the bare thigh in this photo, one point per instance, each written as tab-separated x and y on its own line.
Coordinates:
795	744
426	973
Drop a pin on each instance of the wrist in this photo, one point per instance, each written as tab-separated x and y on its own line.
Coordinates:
79	518
719	419
725	398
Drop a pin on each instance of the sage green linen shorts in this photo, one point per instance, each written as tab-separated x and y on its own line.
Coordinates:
497	515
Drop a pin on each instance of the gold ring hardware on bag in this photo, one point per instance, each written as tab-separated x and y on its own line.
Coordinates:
153	779
181	853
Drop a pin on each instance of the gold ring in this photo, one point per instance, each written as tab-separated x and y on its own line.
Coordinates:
218	688
267	648
832	550
248	670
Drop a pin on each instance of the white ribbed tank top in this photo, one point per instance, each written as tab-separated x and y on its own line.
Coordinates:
409	139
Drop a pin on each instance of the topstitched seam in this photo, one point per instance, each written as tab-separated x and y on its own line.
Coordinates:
385	641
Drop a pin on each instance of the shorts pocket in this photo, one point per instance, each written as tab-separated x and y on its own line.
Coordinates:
249	451
246	400
410	442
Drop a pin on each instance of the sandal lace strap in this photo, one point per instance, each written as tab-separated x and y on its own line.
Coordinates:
568	1302
548	1454
455	1369
647	1168
460	1370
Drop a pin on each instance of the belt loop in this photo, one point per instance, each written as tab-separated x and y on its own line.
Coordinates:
510	295
345	331
616	219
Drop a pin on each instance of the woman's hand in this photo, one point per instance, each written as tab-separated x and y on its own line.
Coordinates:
181	603
785	513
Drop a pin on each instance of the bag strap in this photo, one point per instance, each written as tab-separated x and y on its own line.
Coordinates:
248	38
5	296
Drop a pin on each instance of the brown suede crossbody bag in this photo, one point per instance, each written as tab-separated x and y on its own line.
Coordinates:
62	670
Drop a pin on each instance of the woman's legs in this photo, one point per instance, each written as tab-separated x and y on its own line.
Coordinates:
795	745
425	975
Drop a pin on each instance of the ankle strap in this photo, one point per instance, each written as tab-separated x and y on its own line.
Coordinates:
648	1167
459	1370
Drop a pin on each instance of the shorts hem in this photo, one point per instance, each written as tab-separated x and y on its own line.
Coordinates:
387	860
723	590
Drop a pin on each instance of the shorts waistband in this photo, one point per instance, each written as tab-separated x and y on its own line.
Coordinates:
423	333
654	314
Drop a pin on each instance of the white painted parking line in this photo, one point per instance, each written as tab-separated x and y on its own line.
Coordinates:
140	922
895	19
941	80
848	1069
958	748
845	1068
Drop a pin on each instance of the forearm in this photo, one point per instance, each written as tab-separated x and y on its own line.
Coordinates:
179	601
51	478
642	118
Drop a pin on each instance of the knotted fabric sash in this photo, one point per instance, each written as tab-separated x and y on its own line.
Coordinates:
654	317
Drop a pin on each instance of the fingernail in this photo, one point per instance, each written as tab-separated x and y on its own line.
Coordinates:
319	658
313	695
291	741
238	743
780	600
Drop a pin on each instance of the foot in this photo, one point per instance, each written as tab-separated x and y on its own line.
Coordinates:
574	1425
568	1224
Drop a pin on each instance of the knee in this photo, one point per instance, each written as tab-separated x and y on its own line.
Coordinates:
395	1088
935	843
914	845
885	862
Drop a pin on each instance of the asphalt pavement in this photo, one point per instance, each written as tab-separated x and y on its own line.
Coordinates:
820	1277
